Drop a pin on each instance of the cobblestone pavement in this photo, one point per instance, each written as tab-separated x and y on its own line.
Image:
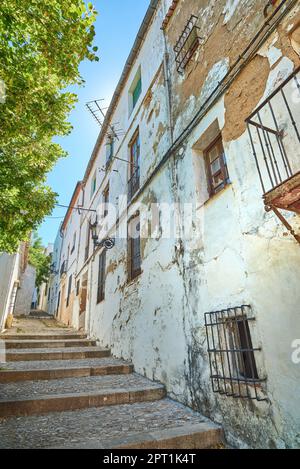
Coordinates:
94	425
74	385
53	350
108	426
62	364
37	326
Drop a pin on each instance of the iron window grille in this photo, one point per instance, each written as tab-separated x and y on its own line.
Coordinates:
134	179
187	44
271	127
216	167
134	183
134	248
232	362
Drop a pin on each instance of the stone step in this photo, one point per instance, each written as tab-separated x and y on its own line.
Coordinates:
62	336
71	353
53	344
40	397
13	372
162	424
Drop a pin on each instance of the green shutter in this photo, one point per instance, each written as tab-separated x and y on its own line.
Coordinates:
137	92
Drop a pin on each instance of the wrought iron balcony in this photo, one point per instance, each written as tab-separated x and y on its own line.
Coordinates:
275	137
134	184
187	44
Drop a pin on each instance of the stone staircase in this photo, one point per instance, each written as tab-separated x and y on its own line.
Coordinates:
62	391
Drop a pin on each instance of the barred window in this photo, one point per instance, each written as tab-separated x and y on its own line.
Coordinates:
134	175
231	353
134	248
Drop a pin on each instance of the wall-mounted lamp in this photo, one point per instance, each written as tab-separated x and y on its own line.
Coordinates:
107	243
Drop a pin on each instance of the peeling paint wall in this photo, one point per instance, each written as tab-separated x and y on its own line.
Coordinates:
25	293
237	254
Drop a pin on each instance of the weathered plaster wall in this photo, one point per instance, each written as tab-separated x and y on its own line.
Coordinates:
69	254
25	292
9	274
237	254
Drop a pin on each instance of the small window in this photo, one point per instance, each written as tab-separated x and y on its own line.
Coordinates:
74	243
134	167
77	287
94	185
101	277
87	242
106	201
232	356
69	290
134	248
216	167
109	149
135	90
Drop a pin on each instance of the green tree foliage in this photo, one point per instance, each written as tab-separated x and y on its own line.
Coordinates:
42	43
38	259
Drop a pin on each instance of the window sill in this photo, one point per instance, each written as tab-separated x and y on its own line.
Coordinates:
216	194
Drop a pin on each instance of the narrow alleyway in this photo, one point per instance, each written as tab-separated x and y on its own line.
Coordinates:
59	389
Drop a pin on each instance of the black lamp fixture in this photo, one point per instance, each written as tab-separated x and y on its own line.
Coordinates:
107	243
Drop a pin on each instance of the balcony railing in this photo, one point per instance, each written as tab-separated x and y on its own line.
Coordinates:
187	44
275	137
134	184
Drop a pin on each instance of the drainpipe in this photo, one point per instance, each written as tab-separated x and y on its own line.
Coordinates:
167	81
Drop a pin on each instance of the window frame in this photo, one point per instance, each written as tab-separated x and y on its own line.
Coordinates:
101	277
134	165
243	361
93	184
87	242
133	272
137	84
106	200
74	243
212	190
109	149
69	290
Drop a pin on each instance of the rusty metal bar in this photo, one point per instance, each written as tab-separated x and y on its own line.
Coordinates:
284	221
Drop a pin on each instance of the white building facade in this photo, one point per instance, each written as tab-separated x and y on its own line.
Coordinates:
205	296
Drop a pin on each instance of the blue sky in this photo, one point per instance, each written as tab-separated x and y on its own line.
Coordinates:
116	28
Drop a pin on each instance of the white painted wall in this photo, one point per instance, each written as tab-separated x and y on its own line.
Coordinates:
25	292
238	254
9	275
